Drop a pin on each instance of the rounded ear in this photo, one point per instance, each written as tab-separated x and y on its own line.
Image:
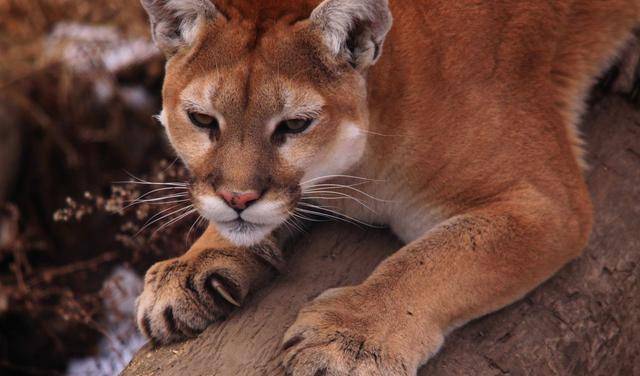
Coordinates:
174	23
354	28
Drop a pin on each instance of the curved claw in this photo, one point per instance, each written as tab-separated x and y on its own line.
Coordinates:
219	287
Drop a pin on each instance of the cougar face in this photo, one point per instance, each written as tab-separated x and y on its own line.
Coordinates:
258	112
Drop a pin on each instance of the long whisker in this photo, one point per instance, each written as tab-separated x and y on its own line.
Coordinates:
170	202
292	226
319	206
378	134
172	196
340	186
338	176
171	184
320	185
302	217
171	164
158	203
194	226
150	223
292	221
158	190
175	220
140	180
296	215
297	225
348	185
339	193
287	225
335	212
326	215
162	212
341	196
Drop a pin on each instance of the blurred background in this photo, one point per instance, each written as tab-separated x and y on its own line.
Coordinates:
79	83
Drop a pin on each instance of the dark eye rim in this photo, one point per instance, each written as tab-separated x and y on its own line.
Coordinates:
283	127
215	124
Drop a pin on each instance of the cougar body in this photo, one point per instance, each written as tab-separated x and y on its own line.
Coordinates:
452	122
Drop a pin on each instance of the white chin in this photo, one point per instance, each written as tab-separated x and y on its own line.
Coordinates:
244	234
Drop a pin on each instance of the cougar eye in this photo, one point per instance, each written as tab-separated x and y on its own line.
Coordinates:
293	126
203	121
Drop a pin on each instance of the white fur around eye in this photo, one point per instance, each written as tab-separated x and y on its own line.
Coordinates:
198	94
298	104
191	144
337	158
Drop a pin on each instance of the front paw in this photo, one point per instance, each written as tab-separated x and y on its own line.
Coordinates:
182	296
342	333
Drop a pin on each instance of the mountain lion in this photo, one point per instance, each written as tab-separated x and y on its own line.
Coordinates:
460	135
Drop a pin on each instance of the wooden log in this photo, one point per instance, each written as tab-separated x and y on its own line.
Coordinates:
585	320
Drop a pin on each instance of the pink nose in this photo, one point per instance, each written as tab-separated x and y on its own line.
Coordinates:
239	200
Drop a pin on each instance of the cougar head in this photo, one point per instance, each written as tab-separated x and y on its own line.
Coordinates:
263	98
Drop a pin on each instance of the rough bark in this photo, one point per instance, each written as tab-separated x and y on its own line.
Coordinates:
585	320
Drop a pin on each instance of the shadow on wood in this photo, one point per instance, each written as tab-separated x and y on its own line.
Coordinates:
583	321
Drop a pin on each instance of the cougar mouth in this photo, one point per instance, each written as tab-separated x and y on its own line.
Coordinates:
248	226
240	225
244	233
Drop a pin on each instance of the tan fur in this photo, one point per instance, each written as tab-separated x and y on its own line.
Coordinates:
462	136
